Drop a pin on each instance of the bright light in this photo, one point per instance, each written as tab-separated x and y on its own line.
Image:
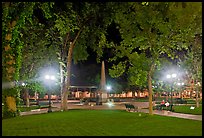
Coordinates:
52	77
47	77
23	84
110	104
108	87
180	83
173	75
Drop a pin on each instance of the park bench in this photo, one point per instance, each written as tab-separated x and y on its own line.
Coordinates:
43	104
163	107
130	107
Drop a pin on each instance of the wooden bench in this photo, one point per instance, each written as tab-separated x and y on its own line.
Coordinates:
130	107
42	104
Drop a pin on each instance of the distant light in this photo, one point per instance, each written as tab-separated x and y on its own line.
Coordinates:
108	87
23	84
182	83
179	83
110	104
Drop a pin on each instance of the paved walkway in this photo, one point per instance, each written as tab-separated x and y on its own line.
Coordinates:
173	114
118	106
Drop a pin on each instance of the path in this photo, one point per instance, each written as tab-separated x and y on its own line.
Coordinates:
116	106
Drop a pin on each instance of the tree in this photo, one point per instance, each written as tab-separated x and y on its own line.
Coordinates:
14	17
38	52
193	64
156	29
79	25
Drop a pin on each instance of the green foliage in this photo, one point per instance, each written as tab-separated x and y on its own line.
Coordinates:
145	3
192	61
82	55
157	29
45	7
16	17
117	70
8	114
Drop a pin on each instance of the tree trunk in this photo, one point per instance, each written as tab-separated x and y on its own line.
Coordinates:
197	100
10	64
150	88
68	77
61	84
192	88
27	98
67	83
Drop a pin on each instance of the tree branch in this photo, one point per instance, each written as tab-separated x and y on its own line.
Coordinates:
78	33
66	40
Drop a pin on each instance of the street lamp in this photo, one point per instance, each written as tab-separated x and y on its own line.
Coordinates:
171	77
49	79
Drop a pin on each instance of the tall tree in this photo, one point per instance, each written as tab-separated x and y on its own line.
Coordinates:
79	25
156	29
14	17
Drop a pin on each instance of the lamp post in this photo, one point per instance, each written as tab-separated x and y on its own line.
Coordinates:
171	77
49	79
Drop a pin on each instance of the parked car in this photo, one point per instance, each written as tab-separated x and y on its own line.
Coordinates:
180	101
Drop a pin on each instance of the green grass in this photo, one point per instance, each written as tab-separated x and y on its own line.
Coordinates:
186	109
99	123
193	101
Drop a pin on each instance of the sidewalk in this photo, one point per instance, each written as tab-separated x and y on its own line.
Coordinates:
173	114
114	107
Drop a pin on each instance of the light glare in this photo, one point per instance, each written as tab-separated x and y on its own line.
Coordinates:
173	75
168	76
52	77
108	87
47	77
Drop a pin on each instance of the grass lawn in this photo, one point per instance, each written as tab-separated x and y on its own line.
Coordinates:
186	109
99	123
